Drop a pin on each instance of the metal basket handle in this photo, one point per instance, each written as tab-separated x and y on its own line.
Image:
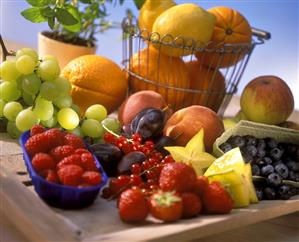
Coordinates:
261	33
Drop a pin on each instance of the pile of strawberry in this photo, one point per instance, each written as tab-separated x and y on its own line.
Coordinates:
181	194
61	157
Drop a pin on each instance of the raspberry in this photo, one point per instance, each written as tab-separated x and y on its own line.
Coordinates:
42	161
91	178
37	143
73	140
70	175
88	162
69	160
54	137
36	129
80	151
61	152
51	176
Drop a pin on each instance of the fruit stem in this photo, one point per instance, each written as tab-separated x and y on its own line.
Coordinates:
110	131
5	52
286	182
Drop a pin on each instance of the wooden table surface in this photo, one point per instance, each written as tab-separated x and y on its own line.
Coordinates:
282	228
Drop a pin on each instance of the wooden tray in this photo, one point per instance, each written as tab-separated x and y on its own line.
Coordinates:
100	222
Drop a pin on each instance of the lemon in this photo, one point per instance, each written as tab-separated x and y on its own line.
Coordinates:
231	170
150	10
183	24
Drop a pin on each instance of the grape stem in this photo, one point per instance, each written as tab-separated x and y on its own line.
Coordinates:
5	52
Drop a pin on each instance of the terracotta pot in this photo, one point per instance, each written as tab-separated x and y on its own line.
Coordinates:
64	52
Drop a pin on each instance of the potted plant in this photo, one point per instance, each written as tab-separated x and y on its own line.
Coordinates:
73	24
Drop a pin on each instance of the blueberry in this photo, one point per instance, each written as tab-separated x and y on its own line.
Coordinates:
247	158
268	160
251	150
225	147
266	170
269	193
293	176
259	194
237	141
277	162
284	192
271	143
260	153
282	170
291	149
261	144
274	179
250	140
294	166
255	170
260	162
276	153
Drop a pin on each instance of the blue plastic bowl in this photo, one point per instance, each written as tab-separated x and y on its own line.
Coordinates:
57	195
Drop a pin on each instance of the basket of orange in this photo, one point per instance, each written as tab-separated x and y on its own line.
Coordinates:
188	54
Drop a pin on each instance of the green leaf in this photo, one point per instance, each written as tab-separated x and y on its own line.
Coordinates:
76	27
34	15
139	3
51	22
38	3
85	1
47	12
65	17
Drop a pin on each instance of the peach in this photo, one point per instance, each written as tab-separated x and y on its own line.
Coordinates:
137	102
186	122
267	99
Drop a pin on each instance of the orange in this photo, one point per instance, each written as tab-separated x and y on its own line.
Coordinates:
209	84
96	79
163	72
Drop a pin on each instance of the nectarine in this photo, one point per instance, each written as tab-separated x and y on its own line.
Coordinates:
186	122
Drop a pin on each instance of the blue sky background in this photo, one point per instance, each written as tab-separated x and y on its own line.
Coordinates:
278	56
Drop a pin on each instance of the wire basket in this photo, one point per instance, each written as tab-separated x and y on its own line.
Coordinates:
214	70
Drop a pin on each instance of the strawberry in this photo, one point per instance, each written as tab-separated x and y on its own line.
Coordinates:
166	206
191	205
73	140
133	206
36	144
88	162
201	185
91	178
69	160
70	175
216	199
42	161
177	176
36	129
60	152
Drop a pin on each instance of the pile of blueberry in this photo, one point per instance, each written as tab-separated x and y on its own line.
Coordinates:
275	166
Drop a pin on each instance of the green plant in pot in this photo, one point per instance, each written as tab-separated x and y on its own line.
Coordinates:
73	24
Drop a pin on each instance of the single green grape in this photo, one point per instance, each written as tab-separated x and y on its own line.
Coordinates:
63	85
12	130
2	104
68	118
43	108
27	51
92	128
31	83
25	64
63	101
77	131
49	123
9	91
48	91
8	70
26	119
48	70
28	98
112	124
97	112
11	110
50	57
